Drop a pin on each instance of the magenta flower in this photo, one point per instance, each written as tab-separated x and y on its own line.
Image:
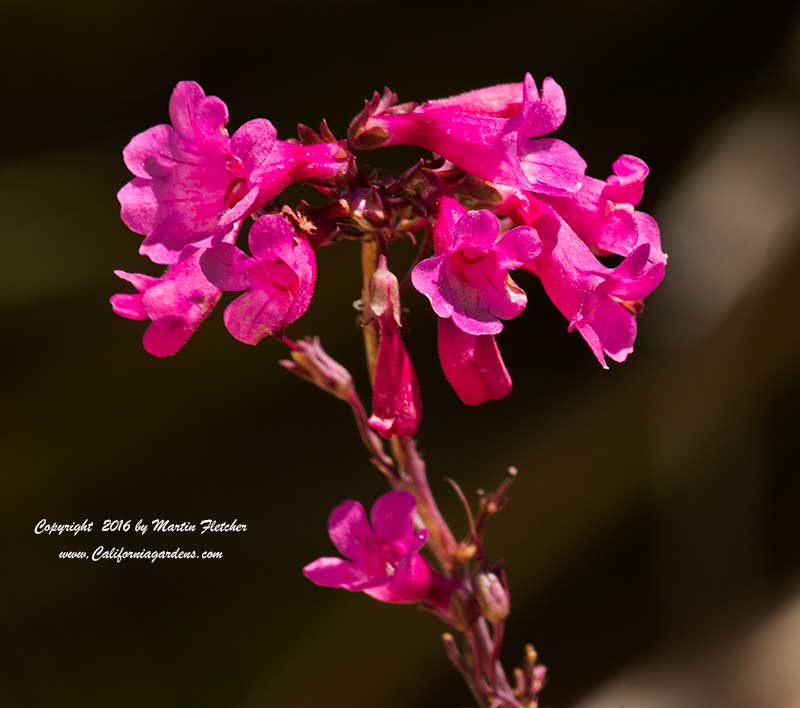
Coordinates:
191	181
469	288
492	133
603	213
600	302
176	303
383	558
396	400
467	279
279	279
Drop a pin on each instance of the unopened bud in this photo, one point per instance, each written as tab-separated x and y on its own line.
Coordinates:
492	597
312	363
384	293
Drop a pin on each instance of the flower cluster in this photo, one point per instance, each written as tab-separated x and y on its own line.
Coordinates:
194	188
498	195
495	135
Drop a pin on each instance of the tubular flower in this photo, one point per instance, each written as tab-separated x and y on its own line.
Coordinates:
469	288
192	181
176	303
600	302
493	133
603	213
383	557
396	401
279	279
467	279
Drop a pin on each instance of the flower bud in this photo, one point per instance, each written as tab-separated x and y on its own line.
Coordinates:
312	363
492	597
396	401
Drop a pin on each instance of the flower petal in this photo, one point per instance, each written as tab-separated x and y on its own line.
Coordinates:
253	142
349	529
153	142
197	117
411	582
541	115
138	205
256	314
476	228
338	573
472	364
392	517
227	267
551	166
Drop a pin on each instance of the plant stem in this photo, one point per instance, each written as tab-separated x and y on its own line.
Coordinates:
369	264
411	467
372	441
410	475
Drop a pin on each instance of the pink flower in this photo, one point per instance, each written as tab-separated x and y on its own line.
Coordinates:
279	279
600	302
492	133
603	213
384	560
176	303
396	401
191	181
467	279
469	288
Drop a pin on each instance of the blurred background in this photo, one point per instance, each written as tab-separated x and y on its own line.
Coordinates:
652	539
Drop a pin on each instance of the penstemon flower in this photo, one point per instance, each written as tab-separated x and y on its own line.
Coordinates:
493	133
499	195
467	279
601	303
603	213
192	181
176	303
469	288
384	559
279	279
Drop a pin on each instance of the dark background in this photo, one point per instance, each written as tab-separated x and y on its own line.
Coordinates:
655	520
